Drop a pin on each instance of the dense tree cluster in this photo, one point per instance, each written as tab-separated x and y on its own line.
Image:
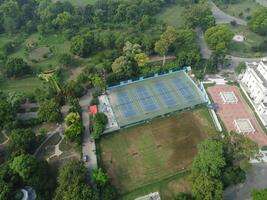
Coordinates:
99	122
74	129
220	163
258	21
74	183
49	111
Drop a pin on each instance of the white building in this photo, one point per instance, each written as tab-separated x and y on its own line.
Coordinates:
255	83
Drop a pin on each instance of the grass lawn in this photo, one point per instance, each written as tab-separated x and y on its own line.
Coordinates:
172	15
243	49
55	43
244	6
26	85
147	154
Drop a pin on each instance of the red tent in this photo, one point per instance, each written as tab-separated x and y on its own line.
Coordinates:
93	110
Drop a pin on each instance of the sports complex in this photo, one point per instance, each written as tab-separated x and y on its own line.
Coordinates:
153	140
138	101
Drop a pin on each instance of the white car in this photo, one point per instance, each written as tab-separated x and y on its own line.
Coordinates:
85	158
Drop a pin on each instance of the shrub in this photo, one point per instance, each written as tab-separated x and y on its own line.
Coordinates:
94	101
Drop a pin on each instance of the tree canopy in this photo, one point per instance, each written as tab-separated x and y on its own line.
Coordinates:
258	21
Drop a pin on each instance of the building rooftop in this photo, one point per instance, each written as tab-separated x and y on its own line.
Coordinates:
253	66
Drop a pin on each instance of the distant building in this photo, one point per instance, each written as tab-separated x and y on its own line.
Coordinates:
151	196
254	81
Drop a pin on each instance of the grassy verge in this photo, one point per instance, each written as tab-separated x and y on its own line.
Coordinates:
165	187
172	15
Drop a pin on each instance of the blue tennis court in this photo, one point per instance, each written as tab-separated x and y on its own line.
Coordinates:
125	104
165	94
145	99
183	88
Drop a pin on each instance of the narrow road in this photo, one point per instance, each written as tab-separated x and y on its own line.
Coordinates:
262	2
223	18
88	144
256	179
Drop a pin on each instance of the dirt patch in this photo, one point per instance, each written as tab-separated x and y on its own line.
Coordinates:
39	53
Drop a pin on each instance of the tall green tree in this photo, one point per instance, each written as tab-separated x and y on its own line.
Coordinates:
166	40
258	21
21	141
218	38
74	129
17	67
49	111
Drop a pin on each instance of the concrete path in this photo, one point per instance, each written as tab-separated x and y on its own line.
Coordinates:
7	138
59	129
223	18
27	116
256	179
88	144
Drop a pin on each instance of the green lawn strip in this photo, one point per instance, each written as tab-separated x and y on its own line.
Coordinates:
25	85
172	15
78	2
160	186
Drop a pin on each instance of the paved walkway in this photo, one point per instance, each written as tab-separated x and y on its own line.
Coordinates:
256	179
223	18
88	144
7	138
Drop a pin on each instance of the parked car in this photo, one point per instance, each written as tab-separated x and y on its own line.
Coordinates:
85	158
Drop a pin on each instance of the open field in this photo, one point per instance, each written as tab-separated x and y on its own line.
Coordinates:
172	15
242	9
146	154
27	85
243	49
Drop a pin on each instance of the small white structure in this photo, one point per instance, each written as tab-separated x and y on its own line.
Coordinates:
151	196
244	126
254	81
228	97
239	38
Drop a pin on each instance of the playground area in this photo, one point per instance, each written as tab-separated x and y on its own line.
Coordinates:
137	156
146	98
236	114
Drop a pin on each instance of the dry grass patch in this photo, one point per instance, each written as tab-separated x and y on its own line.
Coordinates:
148	153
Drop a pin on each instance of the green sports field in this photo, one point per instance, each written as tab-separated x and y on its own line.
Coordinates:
146	154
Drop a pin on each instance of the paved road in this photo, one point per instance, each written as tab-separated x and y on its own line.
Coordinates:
223	18
88	144
262	2
256	179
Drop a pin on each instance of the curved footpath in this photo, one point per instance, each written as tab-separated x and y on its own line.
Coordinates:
223	18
